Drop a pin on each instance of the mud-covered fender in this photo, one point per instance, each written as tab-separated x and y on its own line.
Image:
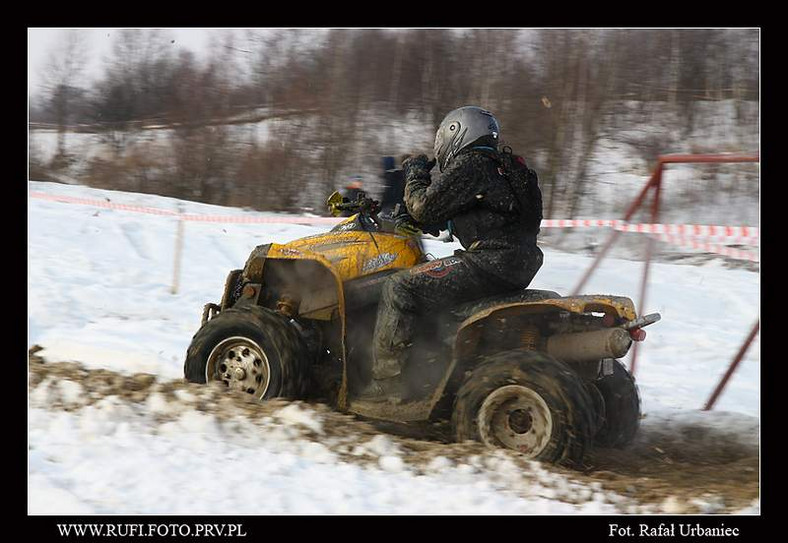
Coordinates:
469	333
332	304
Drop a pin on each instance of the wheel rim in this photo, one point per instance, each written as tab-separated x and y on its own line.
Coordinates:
240	364
515	417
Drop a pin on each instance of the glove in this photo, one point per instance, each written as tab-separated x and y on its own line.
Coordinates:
418	164
404	224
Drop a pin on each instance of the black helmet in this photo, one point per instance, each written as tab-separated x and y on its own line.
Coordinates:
461	128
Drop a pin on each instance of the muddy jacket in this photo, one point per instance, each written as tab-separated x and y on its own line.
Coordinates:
483	211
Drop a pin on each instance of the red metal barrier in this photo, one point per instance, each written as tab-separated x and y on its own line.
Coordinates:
655	183
734	364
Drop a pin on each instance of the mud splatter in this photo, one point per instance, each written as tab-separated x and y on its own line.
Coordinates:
672	467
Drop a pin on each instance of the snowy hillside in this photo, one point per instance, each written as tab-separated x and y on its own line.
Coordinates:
110	307
631	137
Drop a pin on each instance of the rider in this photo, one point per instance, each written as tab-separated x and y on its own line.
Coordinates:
497	230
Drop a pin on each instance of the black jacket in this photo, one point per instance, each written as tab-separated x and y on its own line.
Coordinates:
484	212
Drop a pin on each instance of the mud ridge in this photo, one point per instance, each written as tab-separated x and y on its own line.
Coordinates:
673	467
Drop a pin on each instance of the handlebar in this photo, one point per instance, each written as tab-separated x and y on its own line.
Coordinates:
362	205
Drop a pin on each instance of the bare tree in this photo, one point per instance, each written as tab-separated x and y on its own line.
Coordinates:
597	73
340	93
337	112
61	77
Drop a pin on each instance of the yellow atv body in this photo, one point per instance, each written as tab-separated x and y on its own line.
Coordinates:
529	370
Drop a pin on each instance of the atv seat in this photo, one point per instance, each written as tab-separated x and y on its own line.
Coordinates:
463	311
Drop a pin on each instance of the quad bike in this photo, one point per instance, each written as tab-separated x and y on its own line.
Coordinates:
529	370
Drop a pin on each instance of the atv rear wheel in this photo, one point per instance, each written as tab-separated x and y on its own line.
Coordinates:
622	408
529	402
251	349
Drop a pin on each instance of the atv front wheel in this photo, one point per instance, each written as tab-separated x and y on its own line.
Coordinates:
251	349
529	402
622	408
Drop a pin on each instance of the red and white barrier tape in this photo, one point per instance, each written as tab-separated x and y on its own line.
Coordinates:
677	234
709	247
579	223
101	203
239	219
740	234
258	220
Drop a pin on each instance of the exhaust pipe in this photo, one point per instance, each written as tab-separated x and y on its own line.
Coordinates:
589	346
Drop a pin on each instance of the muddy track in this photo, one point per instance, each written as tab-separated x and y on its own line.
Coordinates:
689	469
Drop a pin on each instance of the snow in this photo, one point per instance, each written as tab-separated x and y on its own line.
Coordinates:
194	465
108	303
